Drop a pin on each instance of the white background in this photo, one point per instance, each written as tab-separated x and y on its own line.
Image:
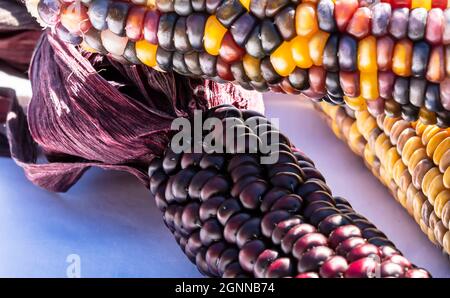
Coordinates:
112	223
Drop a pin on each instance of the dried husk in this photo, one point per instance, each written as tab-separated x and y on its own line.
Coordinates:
87	110
19	33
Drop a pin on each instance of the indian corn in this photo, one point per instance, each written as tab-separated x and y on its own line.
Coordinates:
392	55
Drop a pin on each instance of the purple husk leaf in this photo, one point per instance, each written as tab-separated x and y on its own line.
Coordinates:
19	33
87	110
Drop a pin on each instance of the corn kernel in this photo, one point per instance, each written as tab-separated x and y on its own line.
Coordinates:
440	150
246	4
252	68
436	186
282	60
441	199
146	52
369	85
429	176
355	103
214	34
306	23
367	55
435	141
401	60
300	52
421	3
316	46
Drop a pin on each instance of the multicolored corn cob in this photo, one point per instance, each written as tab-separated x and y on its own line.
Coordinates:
391	55
236	217
409	158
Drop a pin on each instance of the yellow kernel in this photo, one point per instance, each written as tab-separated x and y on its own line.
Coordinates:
435	141
282	60
306	23
246	4
146	52
402	58
356	103
429	176
436	186
214	33
369	85
300	52
316	46
367	54
440	150
441	199
252	68
421	3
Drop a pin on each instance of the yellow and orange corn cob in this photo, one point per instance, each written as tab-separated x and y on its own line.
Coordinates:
409	158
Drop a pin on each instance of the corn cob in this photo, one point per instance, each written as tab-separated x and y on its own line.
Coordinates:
395	154
236	217
394	55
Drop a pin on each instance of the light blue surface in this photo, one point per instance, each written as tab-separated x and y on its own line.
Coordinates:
108	219
112	223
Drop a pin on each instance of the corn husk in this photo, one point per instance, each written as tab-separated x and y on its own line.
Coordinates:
88	110
19	33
